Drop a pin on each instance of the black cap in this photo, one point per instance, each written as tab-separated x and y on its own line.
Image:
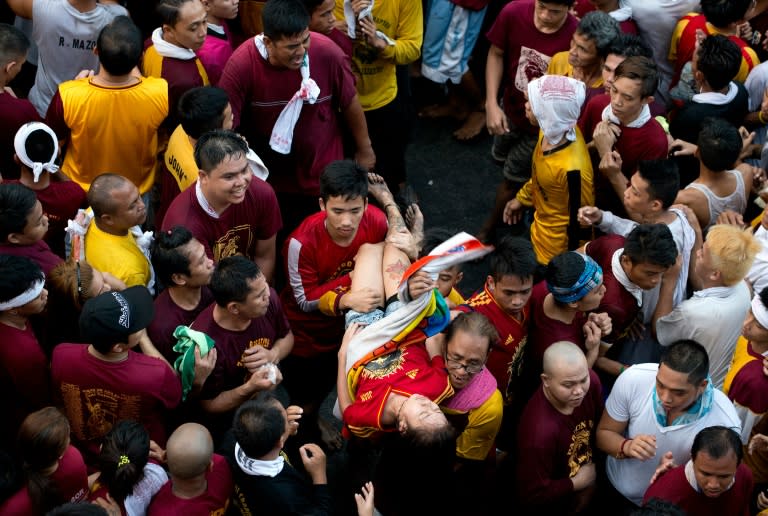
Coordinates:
111	317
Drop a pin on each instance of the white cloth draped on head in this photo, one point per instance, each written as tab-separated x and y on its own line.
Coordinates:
20	146
282	132
556	103
759	311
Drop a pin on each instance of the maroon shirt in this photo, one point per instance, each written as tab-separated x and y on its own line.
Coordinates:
169	315
39	252
553	446
24	378
343	40
674	487
620	305
13	114
214	500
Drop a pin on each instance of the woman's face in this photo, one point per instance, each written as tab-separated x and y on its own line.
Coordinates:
99	284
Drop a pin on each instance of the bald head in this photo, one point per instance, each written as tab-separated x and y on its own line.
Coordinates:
189	451
562	355
100	193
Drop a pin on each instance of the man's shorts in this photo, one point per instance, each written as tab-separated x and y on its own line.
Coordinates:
515	150
367	318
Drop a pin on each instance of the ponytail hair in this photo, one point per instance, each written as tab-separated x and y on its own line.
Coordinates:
43	437
123	456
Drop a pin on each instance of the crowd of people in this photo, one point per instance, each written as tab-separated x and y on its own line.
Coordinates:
208	238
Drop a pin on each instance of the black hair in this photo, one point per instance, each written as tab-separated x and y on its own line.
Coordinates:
14	44
717	442
311	5
284	18
168	11
719	144
202	109
658	507
167	260
78	509
688	357
601	28
229	282
513	256
120	46
663	180
19	274
629	45
343	178
564	270
639	68
763	294
722	13
472	323
213	147
16	204
258	425
651	243
122	458
39	146
719	60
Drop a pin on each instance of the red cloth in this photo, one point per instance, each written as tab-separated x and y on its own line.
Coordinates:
97	394
674	487
215	52
215	500
169	315
527	53
13	114
749	387
263	331
39	252
342	40
553	446
472	5
237	230
506	357
24	378
318	274
407	370
70	478
620	305
258	92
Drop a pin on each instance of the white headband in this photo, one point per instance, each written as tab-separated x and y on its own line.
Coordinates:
759	311
19	144
23	298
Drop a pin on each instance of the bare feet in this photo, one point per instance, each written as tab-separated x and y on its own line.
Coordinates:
378	189
414	220
329	434
472	127
444	111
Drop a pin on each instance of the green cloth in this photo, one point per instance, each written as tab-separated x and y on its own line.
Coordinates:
186	340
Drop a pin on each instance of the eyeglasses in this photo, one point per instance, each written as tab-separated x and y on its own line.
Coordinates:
455	365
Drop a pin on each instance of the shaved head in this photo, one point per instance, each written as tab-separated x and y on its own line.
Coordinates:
561	354
189	451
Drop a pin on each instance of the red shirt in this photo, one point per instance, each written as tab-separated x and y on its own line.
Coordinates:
14	113
213	502
39	252
749	387
318	275
169	315
237	229
527	53
70	478
505	360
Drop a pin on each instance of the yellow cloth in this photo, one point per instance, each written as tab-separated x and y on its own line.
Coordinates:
559	66
152	65
118	255
113	130
741	357
180	159
547	192
454	298
479	436
744	67
402	21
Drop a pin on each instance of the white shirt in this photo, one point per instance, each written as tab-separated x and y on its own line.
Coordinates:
758	274
631	400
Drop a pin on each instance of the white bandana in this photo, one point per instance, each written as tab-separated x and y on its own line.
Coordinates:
759	311
282	132
640	121
166	49
256	467
715	98
556	102
20	142
349	16
622	277
25	297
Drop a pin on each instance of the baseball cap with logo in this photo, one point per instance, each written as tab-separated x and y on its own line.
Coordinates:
109	318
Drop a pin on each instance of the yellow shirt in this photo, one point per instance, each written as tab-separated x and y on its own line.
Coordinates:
118	255
400	20
113	129
547	192
180	159
479	436
559	66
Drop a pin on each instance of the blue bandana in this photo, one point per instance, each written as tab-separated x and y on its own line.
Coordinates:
590	278
695	412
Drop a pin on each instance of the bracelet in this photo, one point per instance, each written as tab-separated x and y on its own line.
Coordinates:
621	454
760	117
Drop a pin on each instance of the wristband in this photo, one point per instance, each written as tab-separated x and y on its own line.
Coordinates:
621	454
760	117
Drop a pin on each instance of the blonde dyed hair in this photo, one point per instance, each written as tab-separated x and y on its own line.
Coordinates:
733	250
